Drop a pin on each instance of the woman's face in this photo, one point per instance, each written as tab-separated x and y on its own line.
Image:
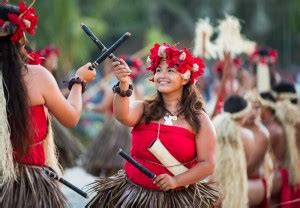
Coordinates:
168	80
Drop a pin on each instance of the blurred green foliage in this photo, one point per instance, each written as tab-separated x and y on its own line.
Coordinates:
272	23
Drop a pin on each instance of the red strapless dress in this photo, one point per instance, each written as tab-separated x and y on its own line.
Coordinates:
180	142
36	155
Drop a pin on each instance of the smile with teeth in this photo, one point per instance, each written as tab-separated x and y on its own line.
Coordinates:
163	82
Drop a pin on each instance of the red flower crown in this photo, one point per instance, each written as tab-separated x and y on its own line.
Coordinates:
264	55
26	21
190	67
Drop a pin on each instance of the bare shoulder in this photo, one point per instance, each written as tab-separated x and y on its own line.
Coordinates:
204	118
39	73
247	134
207	127
264	131
39	81
276	131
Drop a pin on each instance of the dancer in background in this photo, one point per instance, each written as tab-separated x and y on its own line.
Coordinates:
258	179
234	149
288	114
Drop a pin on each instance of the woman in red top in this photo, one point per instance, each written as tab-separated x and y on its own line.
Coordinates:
27	94
175	118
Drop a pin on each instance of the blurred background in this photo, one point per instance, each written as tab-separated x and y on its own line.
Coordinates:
270	23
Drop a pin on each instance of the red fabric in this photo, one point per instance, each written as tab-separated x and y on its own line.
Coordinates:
36	154
220	104
26	14
285	193
295	192
179	141
265	203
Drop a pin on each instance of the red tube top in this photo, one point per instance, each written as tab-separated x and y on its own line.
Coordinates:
36	154
180	142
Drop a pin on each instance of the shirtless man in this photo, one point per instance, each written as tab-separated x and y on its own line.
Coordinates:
257	182
234	150
288	113
277	141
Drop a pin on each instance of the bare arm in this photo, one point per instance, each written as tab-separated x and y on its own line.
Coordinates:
206	153
127	113
247	137
66	111
261	144
226	78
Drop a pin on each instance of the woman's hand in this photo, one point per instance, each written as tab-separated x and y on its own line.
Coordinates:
122	71
165	182
85	73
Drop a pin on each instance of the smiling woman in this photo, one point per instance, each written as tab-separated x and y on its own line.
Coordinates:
175	119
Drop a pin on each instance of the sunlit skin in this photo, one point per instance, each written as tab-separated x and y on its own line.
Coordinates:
42	89
168	80
261	144
170	83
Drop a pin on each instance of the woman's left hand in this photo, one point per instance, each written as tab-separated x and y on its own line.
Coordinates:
165	182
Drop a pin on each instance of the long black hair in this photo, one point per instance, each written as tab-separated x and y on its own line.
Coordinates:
13	69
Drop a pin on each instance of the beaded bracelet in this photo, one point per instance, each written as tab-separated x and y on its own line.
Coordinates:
116	89
77	80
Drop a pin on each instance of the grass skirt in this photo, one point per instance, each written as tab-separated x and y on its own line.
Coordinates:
69	148
33	189
119	191
102	155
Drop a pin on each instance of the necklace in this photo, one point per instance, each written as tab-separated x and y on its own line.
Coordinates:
170	117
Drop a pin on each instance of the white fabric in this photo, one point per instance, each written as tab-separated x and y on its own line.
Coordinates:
166	159
7	169
263	78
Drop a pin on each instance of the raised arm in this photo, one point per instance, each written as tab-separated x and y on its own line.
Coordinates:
127	113
67	111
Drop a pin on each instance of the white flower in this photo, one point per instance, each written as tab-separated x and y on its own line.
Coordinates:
195	67
148	60
27	23
186	75
162	52
182	56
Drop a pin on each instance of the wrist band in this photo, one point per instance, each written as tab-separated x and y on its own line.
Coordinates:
77	80
116	89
